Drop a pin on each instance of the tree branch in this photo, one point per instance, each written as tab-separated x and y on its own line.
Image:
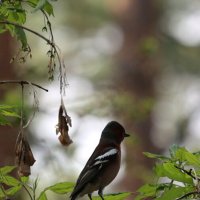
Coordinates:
51	43
23	83
188	173
28	29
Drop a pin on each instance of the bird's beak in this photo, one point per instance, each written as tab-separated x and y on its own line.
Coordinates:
126	135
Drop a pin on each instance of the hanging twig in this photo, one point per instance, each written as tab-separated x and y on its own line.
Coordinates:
22	109
62	76
65	112
35	106
52	44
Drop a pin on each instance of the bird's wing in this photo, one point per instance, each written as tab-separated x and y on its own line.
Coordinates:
95	163
98	158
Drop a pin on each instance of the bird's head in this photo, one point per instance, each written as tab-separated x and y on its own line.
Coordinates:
114	132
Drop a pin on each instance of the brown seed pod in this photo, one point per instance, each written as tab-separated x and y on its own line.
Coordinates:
62	127
24	170
23	156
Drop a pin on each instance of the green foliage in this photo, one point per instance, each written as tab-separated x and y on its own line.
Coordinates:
16	11
14	185
178	176
6	112
118	196
58	188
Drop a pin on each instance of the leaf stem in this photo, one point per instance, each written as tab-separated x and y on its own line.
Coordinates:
29	194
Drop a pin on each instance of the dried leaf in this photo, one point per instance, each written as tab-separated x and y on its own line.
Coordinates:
24	170
24	156
62	127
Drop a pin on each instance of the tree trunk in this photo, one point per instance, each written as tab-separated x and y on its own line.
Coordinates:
7	133
136	73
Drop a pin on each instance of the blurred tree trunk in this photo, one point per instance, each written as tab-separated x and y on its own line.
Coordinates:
136	73
7	133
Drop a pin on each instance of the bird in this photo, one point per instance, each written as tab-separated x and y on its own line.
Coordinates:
104	163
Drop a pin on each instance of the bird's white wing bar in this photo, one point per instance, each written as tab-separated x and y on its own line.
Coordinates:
107	154
104	158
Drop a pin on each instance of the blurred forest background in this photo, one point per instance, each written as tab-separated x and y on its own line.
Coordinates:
135	61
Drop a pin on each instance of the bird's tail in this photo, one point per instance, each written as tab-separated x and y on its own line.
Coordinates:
73	196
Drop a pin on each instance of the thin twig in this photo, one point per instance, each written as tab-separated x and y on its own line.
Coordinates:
22	109
28	29
187	195
35	106
69	121
29	194
188	173
60	59
22	83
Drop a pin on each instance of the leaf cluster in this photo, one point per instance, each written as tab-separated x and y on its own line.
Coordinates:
178	176
9	186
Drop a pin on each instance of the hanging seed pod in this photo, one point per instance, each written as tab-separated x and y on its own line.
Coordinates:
24	156
62	127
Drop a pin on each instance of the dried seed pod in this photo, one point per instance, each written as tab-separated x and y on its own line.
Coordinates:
62	127
24	157
24	170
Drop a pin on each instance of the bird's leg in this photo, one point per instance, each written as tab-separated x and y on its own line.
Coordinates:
100	193
90	196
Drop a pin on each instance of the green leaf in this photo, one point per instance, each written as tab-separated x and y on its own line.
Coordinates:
146	190
4	121
2	194
151	155
2	28
42	196
151	190
40	5
61	188
6	107
118	196
24	179
43	4
173	149
13	190
7	169
184	155
21	36
49	9
170	171
9	113
175	192
9	180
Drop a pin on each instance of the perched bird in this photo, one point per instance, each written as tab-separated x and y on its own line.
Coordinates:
103	165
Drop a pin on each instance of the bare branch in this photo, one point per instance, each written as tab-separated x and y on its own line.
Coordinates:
23	83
